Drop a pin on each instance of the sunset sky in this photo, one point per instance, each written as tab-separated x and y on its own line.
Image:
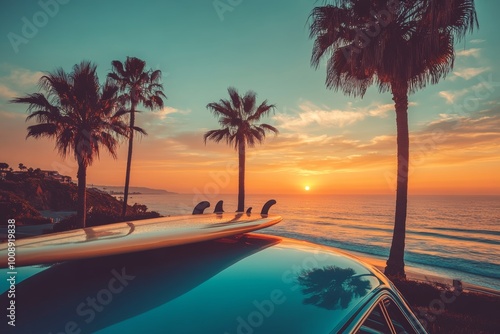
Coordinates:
333	143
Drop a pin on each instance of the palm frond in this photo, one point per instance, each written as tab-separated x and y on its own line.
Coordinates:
263	109
66	140
333	28
140	130
222	108
107	140
42	130
255	135
269	128
38	106
121	112
134	67
235	98
248	101
155	76
117	68
217	135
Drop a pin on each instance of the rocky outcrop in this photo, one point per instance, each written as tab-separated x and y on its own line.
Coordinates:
23	197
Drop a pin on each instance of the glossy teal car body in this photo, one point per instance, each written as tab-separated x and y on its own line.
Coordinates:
248	284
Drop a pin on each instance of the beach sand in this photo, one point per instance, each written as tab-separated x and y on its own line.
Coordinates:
424	276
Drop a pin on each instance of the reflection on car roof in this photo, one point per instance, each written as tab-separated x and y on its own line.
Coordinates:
230	285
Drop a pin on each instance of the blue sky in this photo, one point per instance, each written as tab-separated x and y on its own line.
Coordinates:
325	137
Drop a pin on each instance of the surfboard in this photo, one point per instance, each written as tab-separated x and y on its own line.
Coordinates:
133	236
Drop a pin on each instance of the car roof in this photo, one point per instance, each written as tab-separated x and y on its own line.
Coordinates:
230	285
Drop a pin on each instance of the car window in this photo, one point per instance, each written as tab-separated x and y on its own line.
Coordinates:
399	321
375	323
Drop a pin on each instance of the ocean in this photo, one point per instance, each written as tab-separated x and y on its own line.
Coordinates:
456	237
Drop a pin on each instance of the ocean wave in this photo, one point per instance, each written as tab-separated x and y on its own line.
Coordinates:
490	232
429	233
455	237
339	218
481	268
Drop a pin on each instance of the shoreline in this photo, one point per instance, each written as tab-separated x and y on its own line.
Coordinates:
425	276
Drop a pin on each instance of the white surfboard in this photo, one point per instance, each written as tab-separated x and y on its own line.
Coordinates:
133	236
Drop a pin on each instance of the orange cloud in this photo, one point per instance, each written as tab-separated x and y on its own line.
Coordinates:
473	52
310	114
177	160
470	72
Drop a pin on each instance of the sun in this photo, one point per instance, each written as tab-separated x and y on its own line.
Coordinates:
307	188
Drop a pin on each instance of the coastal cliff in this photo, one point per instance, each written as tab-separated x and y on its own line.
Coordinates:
23	198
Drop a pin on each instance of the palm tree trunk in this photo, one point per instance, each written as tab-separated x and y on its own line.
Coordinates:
395	263
241	175
81	210
129	160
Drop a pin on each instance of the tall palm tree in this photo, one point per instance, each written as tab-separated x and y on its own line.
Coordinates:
238	117
80	114
138	85
399	45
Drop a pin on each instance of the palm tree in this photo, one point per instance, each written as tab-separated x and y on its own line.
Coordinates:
80	115
237	117
400	46
138	86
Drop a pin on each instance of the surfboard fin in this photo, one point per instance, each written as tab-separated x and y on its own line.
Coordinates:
267	206
249	210
200	207
218	207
